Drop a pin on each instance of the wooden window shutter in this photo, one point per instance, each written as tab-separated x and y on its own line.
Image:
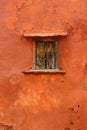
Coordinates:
40	55
51	55
45	55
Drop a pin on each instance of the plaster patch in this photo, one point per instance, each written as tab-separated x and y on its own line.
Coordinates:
37	101
15	78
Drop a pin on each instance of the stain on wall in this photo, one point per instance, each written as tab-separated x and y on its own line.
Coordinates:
5	127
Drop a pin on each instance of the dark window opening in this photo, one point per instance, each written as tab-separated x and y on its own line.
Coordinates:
45	55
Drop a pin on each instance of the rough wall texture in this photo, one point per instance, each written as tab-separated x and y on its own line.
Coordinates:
43	101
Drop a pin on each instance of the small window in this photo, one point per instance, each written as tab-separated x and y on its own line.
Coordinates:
45	58
45	55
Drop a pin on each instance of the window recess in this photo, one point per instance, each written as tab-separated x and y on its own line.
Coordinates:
45	53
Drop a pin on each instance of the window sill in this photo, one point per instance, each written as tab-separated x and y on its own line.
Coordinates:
44	71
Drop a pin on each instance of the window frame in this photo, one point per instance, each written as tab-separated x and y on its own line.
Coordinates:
34	53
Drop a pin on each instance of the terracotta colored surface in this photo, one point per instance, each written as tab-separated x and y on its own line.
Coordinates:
43	101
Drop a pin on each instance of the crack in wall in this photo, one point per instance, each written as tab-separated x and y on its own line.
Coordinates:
18	15
20	6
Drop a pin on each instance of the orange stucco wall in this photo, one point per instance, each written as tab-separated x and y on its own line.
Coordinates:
43	101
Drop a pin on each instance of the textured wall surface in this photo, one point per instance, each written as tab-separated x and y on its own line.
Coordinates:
43	101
